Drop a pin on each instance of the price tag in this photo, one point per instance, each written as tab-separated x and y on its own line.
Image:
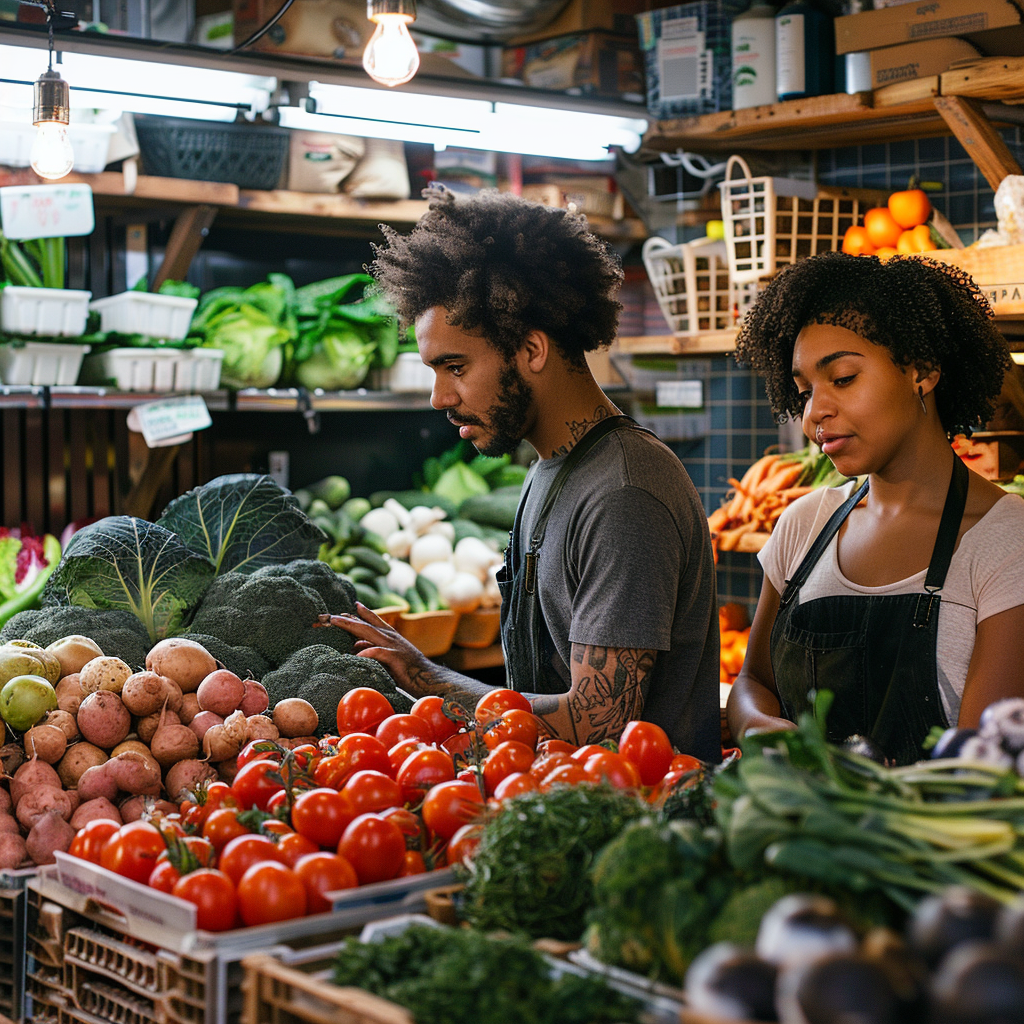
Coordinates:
46	211
679	394
170	421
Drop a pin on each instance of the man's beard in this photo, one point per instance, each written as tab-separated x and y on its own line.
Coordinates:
507	418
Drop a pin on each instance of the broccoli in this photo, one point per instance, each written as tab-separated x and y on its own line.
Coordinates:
120	634
323	676
270	612
337	592
243	661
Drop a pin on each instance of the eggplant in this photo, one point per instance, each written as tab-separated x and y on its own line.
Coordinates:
729	982
1003	720
978	983
951	742
944	920
840	987
802	927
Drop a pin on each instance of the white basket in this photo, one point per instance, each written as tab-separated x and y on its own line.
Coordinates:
206	364
41	363
90	143
148	313
155	369
53	312
771	223
693	286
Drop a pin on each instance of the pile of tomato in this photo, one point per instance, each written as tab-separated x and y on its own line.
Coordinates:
899	227
390	795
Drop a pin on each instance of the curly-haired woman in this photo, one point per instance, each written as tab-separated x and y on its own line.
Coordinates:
608	609
901	591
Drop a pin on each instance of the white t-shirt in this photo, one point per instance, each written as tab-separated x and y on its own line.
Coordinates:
986	576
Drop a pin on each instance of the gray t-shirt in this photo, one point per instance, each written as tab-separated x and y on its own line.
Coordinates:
627	562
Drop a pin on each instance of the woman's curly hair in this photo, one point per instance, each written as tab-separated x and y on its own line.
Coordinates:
927	314
504	266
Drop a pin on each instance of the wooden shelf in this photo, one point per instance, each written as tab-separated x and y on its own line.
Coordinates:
470	659
670	345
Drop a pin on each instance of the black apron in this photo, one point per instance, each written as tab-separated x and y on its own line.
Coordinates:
528	648
876	654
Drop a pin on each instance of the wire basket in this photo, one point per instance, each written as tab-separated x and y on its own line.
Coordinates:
770	223
693	286
245	155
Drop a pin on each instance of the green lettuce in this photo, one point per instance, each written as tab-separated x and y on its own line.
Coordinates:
339	361
251	343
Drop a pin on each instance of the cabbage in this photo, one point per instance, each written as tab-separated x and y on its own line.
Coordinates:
251	343
339	361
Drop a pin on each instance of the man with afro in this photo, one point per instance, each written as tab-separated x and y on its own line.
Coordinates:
609	609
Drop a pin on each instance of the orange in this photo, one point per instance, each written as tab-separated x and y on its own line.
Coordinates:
856	241
885	252
909	208
922	238
881	228
905	244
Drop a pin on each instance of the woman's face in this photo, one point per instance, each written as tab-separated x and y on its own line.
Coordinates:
858	405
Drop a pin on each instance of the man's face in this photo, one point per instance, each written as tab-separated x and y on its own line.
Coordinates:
487	398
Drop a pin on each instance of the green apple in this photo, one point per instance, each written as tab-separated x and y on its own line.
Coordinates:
24	700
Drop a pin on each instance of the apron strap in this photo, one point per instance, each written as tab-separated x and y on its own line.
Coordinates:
945	544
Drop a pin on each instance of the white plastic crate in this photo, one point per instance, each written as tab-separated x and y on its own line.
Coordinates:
147	313
155	369
53	312
90	143
770	223
693	286
41	363
206	364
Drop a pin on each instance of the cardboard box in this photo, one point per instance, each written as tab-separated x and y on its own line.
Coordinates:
910	22
587	16
594	62
590	201
917	60
314	28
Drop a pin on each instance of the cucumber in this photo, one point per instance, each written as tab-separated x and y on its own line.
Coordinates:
429	595
389	598
416	602
360	574
367	595
368	557
356	508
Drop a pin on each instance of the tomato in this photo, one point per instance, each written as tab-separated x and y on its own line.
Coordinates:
431	710
321	815
685	762
491	705
374	846
667	783
458	743
514	724
571	774
647	745
462	846
274	826
269	891
222	826
212	796
506	758
91	838
613	769
362	709
449	805
412	864
256	783
553	746
371	792
882	230
910	208
355	752
215	898
396	728
292	847
132	851
242	852
260	750
164	876
322	873
581	754
514	784
410	824
547	763
400	751
857	242
421	770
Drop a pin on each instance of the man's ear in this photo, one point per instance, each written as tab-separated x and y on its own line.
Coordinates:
535	351
927	379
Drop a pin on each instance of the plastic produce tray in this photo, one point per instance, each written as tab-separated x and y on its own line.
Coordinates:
41	363
155	369
51	312
147	313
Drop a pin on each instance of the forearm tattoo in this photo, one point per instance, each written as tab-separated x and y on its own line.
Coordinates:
577	428
445	682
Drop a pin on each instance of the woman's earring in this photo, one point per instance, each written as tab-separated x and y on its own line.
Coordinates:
920	398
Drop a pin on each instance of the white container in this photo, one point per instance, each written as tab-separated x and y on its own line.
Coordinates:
410	374
54	312
41	363
155	369
90	143
753	56
147	313
206	364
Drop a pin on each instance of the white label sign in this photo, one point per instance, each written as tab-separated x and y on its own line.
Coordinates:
46	211
171	420
679	394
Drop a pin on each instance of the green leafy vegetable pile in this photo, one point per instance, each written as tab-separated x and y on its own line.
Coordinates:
33	263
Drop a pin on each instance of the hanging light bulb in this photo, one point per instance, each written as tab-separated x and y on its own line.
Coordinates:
390	56
51	156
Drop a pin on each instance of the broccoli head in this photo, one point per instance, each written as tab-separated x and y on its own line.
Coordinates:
322	676
243	661
337	592
120	634
271	613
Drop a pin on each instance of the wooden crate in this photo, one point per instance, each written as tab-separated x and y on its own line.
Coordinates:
998	272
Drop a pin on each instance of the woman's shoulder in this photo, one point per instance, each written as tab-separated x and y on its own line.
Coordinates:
1002	525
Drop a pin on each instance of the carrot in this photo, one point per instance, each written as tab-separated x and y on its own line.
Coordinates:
718	519
761	469
780	479
728	539
792	493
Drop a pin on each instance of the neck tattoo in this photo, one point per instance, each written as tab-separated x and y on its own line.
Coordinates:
577	428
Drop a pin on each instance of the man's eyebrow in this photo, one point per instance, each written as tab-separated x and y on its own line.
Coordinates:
446	357
831	358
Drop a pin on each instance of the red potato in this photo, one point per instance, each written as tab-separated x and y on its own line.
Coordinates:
50	833
183	660
33	805
139	748
145	693
255	700
47	742
74	798
259	727
64	721
90	810
5	801
146	727
292	742
9	823
203	722
294	716
134	807
73	764
106	673
13	851
103	719
221	692
186	776
227	770
32	775
128	772
74	653
70	693
173	742
219	745
189	708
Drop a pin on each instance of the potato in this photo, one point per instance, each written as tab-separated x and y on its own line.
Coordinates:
64	721
189	708
34	774
13	851
147	727
9	823
144	693
106	673
70	693
294	716
186	776
221	692
138	747
47	742
227	770
73	764
103	719
74	653
259	727
50	833
183	660
204	721
256	700
220	745
135	806
173	742
99	807
33	805
5	801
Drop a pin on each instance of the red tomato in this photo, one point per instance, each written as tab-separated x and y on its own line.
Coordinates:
321	815
547	763
514	784
462	846
374	846
491	705
396	728
275	826
91	838
409	823
647	745
222	826
458	743
269	891
553	746
256	783
214	895
421	770
613	769
242	852
132	851
450	805
164	876
356	752
672	778
431	710
514	724
322	873
368	792
400	751
685	763
506	758
260	750
412	864
571	774
580	754
212	796
362	709
197	848
292	847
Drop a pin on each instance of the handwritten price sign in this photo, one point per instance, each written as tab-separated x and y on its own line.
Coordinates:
46	211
